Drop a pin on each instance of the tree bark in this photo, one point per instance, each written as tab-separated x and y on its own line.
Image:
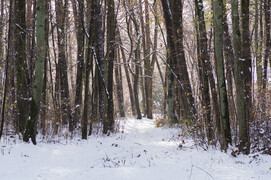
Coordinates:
111	28
130	88
267	42
31	125
79	23
6	80
20	56
147	64
172	58
204	61
246	56
229	61
118	79
239	83
218	44
62	65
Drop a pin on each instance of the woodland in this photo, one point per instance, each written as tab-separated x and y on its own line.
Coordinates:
77	67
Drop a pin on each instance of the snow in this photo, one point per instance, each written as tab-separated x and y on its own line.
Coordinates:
140	152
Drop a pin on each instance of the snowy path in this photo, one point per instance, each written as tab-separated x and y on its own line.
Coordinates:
142	152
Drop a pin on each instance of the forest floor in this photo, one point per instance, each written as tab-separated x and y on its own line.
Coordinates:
139	152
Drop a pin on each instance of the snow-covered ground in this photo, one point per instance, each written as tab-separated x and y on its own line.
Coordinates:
141	152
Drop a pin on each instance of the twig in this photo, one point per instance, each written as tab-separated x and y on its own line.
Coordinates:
199	169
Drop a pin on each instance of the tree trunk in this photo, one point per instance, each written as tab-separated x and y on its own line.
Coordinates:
147	64
258	48
246	56
218	44
204	61
172	57
229	61
45	76
20	56
239	83
186	99
79	23
267	42
118	79
111	28
145	52
99	56
31	125
1	29
136	62
89	64
131	94
62	64
6	80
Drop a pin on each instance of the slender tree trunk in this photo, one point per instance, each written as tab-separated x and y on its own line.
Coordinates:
89	64
62	65
204	61
20	56
45	75
31	125
147	64
136	62
246	56
1	29
111	28
10	38
118	79
131	94
55	89
257	45
267	42
4	99
260	68
99	56
30	43
172	57
186	100
229	61
239	83
218	29
79	23
145	52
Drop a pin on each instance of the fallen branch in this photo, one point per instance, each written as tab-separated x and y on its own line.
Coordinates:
199	169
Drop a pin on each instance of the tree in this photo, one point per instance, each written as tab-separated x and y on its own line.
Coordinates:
118	80
10	39
89	57
20	56
229	62
246	56
239	83
131	94
218	44
62	65
79	23
99	55
31	125
1	28
108	125
148	63
172	56
205	72
178	68
131	13
268	41
183	87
